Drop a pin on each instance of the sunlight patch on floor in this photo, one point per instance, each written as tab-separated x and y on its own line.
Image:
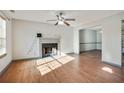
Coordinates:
65	59
44	60
107	69
46	65
54	64
43	69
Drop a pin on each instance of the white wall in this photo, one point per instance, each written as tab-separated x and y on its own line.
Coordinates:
4	61
25	31
111	38
99	40
76	41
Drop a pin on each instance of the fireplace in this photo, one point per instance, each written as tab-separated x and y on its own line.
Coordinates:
49	49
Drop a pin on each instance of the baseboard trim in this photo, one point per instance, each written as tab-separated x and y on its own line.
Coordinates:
112	64
25	59
5	69
90	50
70	53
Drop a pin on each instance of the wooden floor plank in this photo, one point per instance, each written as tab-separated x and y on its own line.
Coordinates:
86	67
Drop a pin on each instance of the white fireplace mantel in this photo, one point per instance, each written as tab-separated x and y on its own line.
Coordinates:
48	40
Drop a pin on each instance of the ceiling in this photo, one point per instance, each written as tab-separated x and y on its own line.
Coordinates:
95	28
81	16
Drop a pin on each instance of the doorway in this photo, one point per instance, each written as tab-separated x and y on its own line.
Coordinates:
90	40
122	41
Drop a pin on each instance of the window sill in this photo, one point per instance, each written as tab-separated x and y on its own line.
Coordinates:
3	55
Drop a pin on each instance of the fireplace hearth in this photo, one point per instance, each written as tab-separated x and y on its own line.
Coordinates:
49	49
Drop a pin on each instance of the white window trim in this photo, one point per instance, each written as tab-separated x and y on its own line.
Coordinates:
3	50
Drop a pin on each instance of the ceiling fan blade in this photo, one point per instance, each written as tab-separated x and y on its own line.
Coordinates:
56	23
51	20
12	11
66	23
70	19
57	17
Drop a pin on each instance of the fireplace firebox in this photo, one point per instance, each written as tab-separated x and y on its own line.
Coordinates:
49	49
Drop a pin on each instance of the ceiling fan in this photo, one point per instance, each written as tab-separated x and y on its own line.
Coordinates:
61	20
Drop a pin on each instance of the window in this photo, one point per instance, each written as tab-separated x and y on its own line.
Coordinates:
2	37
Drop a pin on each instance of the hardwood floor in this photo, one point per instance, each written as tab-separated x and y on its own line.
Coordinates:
72	68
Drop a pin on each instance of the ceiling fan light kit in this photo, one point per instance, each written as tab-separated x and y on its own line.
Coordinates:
61	20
